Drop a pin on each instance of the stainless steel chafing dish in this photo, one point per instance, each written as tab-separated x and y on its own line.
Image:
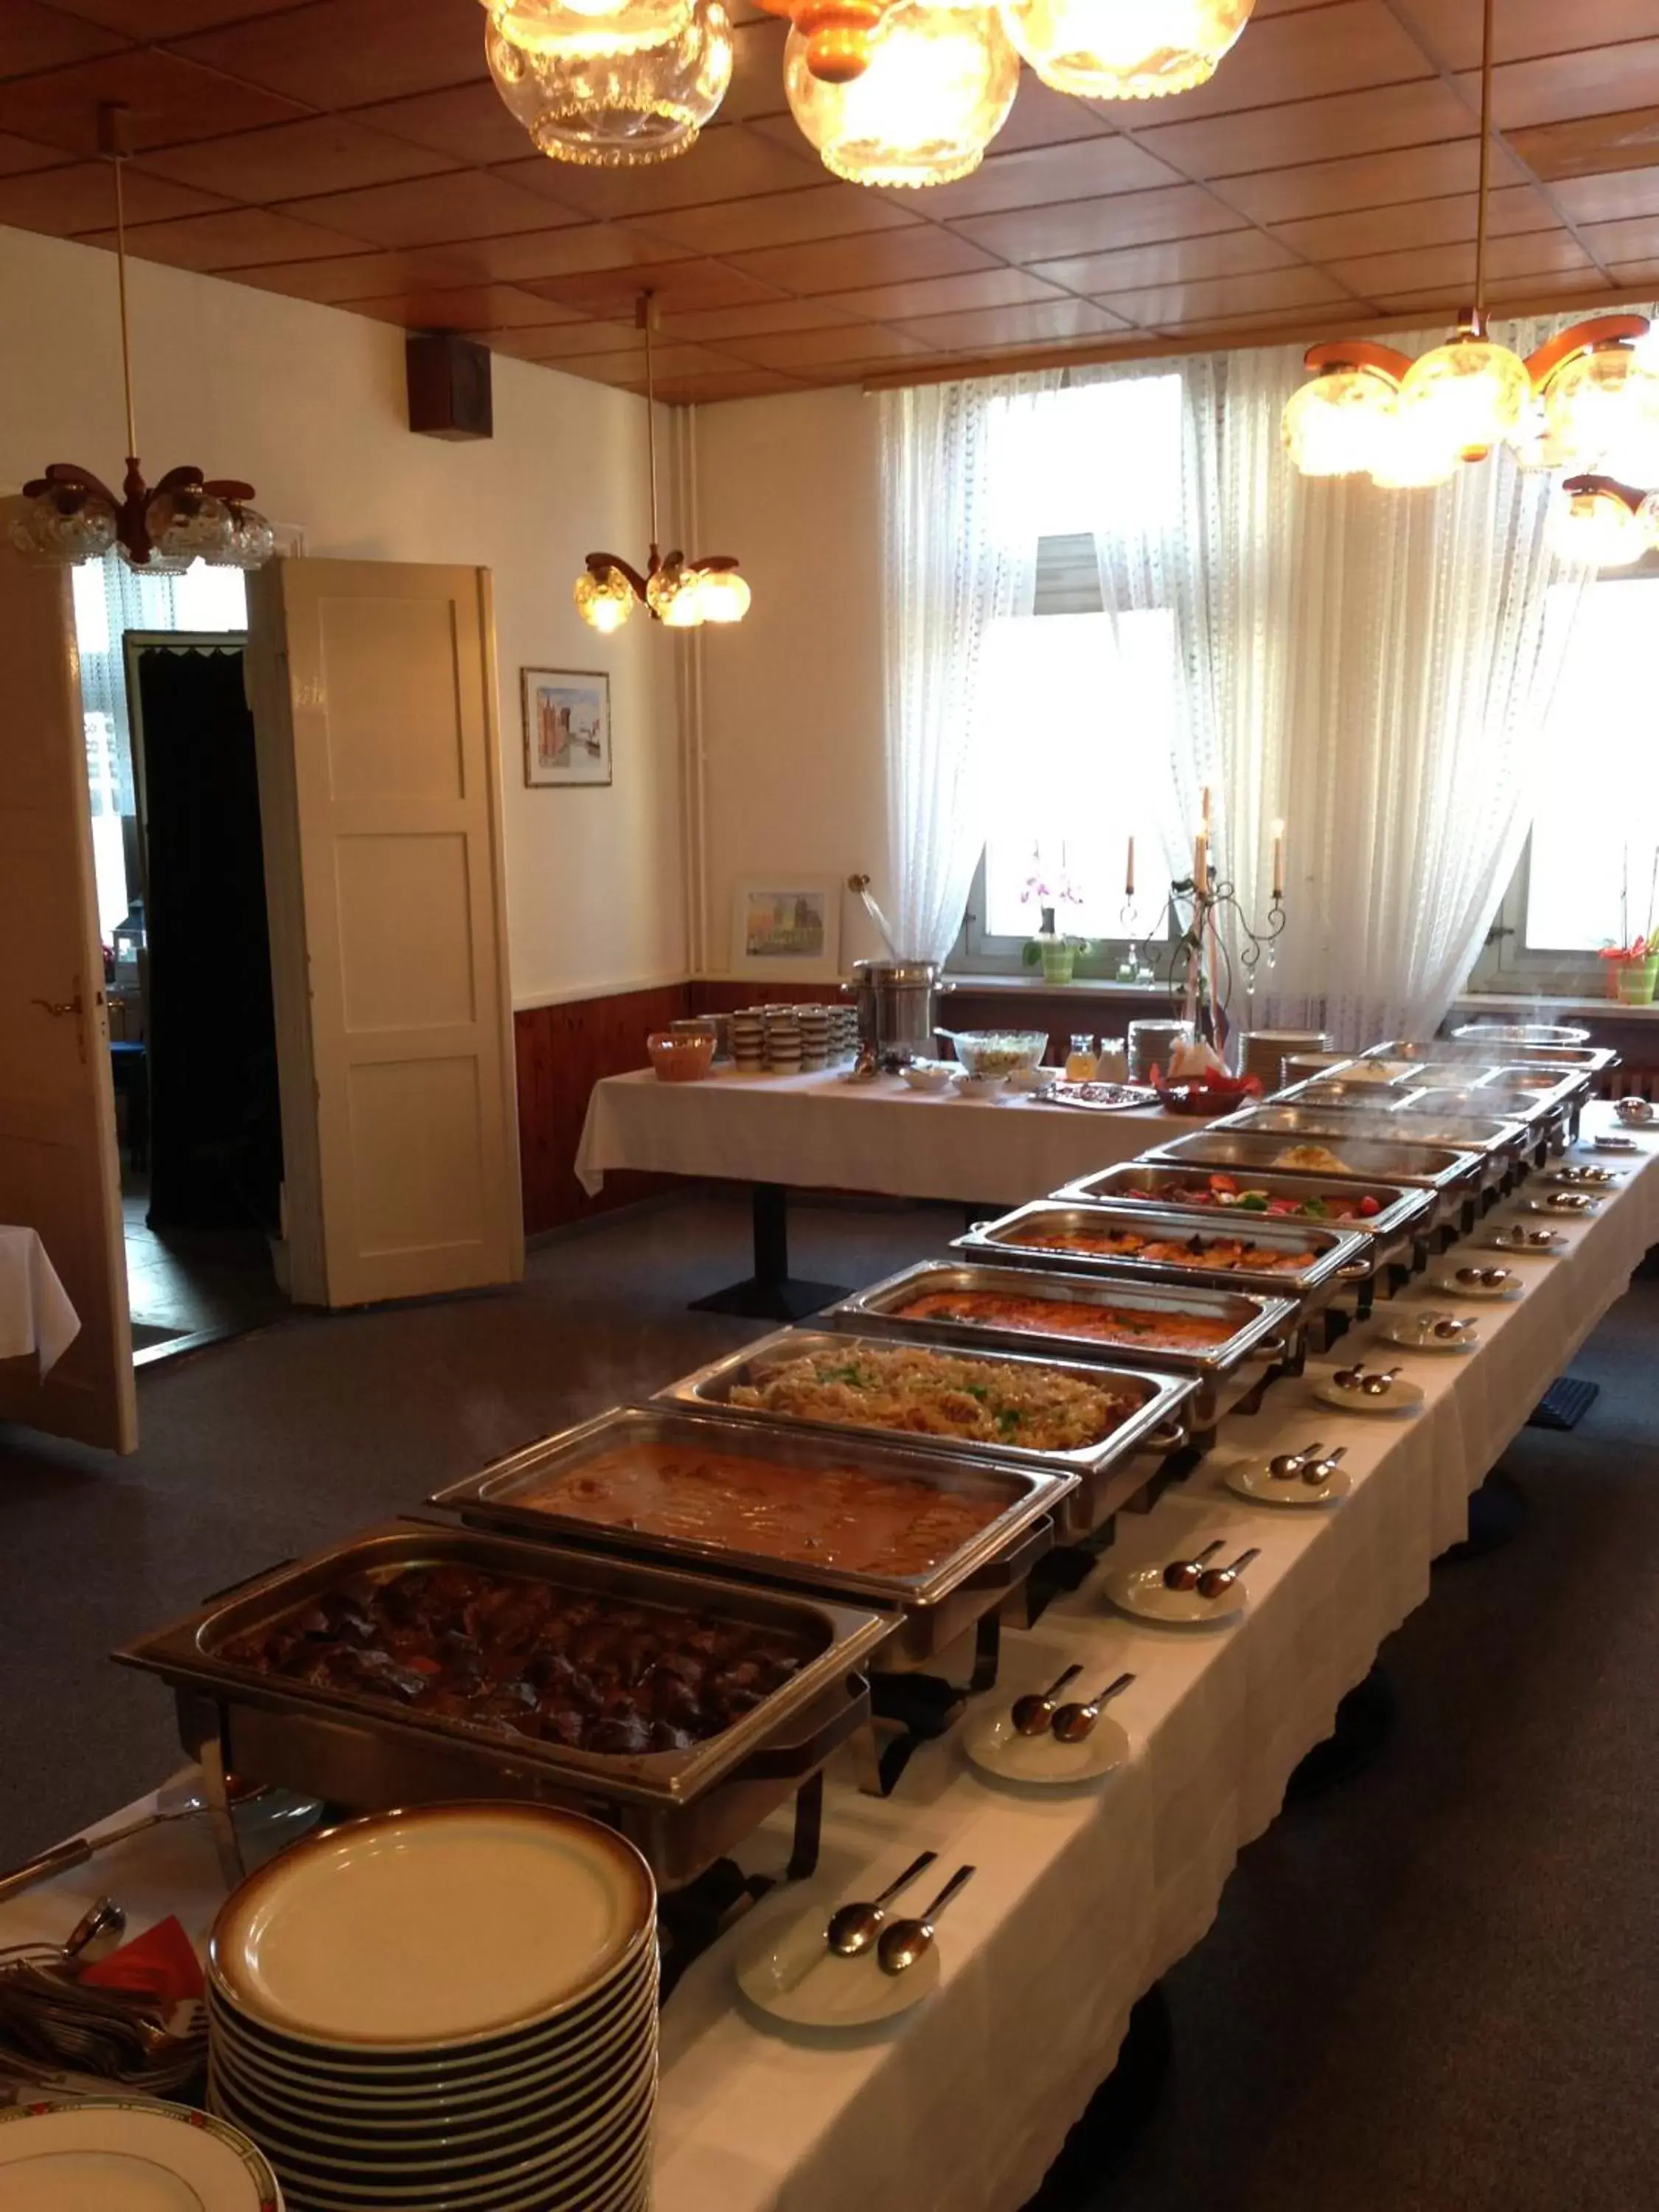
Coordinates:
1405	1212
682	1809
1452	1178
1105	1480
1262	1327
927	1611
1503	1145
1492	1045
1374	1097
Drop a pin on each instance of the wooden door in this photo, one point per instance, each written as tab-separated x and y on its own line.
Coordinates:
58	1169
373	693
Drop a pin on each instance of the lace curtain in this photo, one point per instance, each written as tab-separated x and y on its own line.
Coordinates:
1372	668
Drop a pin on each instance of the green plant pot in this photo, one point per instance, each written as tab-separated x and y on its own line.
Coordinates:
1058	960
1638	979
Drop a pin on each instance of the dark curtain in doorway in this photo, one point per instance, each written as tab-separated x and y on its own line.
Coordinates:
215	1130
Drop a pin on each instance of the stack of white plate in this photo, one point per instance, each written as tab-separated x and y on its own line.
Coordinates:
453	2008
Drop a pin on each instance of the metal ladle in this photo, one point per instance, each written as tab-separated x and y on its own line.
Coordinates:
904	1942
1031	1714
60	1858
1073	1722
853	1928
1320	1471
1379	1386
1184	1574
1288	1465
1216	1582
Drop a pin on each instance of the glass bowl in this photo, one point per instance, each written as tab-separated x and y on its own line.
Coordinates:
999	1052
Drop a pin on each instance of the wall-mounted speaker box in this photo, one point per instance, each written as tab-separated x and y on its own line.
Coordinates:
448	387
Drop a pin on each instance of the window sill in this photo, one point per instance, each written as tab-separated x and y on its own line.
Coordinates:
1081	986
1545	1003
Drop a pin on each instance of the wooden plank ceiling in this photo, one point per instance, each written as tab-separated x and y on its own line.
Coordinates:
354	152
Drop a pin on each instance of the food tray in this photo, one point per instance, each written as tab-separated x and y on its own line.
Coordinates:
1593	1059
934	1607
683	1809
1262	1326
1402	1211
1339	1254
1156	1423
1502	1144
1453	1179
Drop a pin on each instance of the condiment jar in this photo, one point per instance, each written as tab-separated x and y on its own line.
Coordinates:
1081	1062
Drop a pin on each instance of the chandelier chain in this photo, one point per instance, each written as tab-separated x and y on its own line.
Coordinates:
1485	161
119	161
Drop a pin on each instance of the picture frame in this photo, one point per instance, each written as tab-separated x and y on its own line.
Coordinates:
567	727
787	926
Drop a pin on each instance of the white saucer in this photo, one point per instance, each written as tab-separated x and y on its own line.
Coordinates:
1398	1331
1552	1251
1568	1178
785	1968
1557	1211
1444	1287
1140	1591
1404	1396
119	2154
996	1746
1248	1478
1608	1144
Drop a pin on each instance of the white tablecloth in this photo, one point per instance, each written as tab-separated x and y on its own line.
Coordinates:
35	1313
817	1131
1082	1899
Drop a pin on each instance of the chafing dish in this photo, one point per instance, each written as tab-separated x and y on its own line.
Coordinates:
1375	1097
927	1611
1452	1178
1404	1213
1262	1327
682	1809
1492	1046
1482	1034
1503	1144
1105	1480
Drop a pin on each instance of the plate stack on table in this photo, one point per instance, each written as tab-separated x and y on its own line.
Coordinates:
453	2006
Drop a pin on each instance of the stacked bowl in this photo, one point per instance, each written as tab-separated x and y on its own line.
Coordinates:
453	2008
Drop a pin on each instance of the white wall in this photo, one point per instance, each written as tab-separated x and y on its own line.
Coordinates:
307	403
791	705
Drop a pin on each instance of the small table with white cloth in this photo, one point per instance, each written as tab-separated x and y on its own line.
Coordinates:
36	1318
1085	1897
801	1131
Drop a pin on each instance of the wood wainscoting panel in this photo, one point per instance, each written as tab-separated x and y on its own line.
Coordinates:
562	1051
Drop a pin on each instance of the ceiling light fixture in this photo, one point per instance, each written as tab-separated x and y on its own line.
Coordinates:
1603	523
681	594
891	92
1125	49
73	516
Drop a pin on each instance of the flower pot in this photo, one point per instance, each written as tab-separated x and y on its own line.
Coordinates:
1058	961
1637	980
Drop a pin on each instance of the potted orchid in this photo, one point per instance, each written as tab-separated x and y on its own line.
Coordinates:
1048	890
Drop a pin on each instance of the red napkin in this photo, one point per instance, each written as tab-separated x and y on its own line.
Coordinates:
161	1963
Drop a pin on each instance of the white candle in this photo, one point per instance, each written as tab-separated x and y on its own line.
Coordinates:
1206	813
1279	859
1200	876
1129	877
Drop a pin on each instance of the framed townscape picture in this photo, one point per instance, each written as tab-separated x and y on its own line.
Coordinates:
567	726
787	926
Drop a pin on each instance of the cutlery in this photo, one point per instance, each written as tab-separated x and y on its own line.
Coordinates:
904	1942
1289	1465
1216	1582
1379	1386
59	1858
1031	1714
1183	1574
853	1928
1073	1722
1320	1470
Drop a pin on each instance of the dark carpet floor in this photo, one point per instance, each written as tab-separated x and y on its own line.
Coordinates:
1434	1990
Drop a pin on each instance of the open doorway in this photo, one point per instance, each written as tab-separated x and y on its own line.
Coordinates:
177	844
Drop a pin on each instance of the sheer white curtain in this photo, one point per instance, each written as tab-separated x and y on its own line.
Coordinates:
950	568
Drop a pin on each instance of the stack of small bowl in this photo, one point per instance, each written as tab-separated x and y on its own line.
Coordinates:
450	2007
843	1032
814	1039
783	1040
748	1040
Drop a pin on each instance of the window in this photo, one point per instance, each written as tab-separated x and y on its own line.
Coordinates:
110	599
1589	874
1081	702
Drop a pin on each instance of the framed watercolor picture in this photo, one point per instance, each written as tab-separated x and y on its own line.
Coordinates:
788	927
567	726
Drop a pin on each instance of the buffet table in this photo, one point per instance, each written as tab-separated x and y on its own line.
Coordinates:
1084	1896
36	1317
821	1131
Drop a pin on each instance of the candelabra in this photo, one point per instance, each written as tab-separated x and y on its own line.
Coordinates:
1202	967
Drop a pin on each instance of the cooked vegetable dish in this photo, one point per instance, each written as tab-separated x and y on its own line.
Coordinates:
525	1658
1319	1160
834	1517
936	1394
1226	1254
1235	1193
1137	1326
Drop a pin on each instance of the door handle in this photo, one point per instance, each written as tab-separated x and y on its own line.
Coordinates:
59	1006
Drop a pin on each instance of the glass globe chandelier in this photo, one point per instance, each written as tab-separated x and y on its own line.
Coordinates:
1125	49
578	29
1339	425
623	108
1603	523
681	594
936	87
73	516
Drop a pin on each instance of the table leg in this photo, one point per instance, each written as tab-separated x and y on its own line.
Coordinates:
771	1293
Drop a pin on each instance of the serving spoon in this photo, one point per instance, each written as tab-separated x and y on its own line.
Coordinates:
1184	1574
1320	1471
1216	1582
904	1942
174	1804
1288	1465
1031	1714
1073	1722
853	1928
